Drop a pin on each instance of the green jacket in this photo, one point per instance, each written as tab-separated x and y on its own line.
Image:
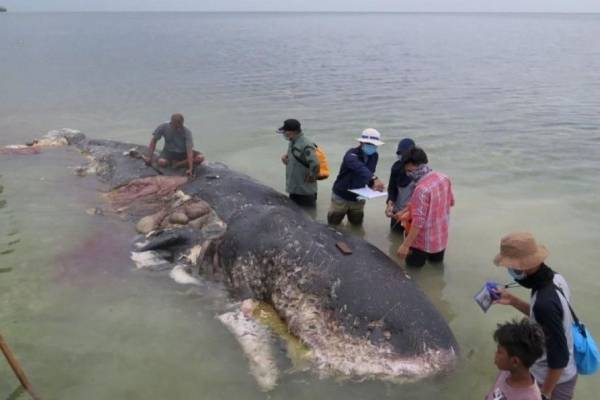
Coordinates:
302	167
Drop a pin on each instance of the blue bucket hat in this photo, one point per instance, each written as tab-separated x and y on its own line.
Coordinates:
404	145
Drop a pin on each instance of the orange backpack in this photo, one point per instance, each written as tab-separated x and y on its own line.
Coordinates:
323	163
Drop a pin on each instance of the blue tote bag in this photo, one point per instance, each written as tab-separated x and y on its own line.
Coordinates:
584	346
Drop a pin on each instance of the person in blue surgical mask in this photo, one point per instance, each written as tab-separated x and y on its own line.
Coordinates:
555	372
357	171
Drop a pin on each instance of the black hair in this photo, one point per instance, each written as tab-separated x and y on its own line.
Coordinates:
522	339
416	156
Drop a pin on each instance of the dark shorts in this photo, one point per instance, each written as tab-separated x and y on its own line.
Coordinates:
304	200
172	156
417	258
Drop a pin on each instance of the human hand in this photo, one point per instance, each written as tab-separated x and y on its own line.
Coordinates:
284	159
190	172
403	251
378	185
397	216
147	160
503	296
389	210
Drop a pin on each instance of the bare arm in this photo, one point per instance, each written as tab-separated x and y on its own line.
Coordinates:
550	381
521	305
510	299
190	160
389	208
151	148
408	241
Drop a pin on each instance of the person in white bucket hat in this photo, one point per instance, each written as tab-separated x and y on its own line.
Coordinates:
371	136
357	171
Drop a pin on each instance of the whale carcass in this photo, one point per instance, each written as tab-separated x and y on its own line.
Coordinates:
360	315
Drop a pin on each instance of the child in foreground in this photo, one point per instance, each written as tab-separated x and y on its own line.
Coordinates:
519	345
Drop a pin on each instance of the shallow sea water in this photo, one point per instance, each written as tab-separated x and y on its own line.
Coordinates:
507	105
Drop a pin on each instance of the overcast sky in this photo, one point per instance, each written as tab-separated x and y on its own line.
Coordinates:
306	5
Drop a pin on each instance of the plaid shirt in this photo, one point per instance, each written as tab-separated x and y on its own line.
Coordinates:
430	209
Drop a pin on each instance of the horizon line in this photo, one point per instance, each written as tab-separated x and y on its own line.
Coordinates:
300	12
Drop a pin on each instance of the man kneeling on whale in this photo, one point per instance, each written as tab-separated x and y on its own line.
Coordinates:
178	150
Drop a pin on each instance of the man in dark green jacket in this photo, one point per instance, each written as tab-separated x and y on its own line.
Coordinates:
301	165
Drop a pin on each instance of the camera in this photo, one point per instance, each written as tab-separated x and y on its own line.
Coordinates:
487	295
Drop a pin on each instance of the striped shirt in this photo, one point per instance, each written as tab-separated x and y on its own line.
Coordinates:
430	209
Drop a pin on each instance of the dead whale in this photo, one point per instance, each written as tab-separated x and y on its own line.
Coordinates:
360	315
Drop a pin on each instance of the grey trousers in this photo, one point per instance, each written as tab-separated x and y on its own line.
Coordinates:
565	390
341	208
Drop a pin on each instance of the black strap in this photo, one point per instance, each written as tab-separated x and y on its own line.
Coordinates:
304	163
570	308
579	324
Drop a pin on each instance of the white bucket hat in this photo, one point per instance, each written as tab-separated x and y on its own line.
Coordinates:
370	135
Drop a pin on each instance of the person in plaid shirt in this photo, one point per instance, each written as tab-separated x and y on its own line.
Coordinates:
429	206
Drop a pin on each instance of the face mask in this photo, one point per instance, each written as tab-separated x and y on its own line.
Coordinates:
516	274
369	149
419	172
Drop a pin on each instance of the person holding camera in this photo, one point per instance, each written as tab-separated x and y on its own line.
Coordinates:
555	371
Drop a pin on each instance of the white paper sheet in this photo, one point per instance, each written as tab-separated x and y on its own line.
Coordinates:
368	193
